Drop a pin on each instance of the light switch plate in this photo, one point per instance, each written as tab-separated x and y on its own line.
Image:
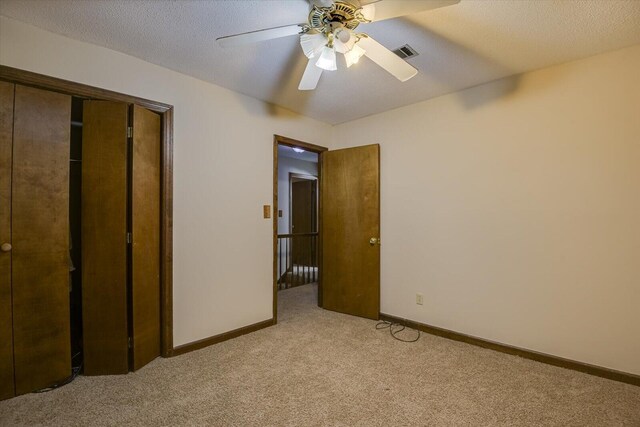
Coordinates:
266	211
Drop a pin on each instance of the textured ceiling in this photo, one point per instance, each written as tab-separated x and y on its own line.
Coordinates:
459	46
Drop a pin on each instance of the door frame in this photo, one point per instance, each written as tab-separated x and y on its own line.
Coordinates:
318	149
28	78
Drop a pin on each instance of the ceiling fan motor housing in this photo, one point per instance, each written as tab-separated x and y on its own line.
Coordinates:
339	14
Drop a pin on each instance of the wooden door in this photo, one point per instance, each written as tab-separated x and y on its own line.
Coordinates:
6	317
40	235
303	220
303	206
145	227
104	238
350	231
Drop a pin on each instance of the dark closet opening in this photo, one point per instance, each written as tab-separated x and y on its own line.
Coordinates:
75	238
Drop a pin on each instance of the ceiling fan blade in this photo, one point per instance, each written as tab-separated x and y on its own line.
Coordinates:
387	59
387	9
258	36
311	76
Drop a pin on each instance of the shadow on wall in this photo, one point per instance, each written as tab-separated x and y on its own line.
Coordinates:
286	81
469	59
486	94
451	75
289	80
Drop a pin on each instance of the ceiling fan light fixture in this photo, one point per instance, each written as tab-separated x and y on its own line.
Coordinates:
354	55
312	43
327	60
330	29
344	47
342	34
368	12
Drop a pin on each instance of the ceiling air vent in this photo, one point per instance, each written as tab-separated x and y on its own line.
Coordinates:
405	52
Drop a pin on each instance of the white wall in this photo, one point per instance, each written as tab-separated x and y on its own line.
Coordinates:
223	174
514	207
287	165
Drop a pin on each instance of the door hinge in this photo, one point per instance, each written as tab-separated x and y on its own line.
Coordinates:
129	132
129	342
129	238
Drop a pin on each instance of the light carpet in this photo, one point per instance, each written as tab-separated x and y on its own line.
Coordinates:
319	368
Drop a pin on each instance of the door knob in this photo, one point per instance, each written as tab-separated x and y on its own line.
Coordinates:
6	247
373	241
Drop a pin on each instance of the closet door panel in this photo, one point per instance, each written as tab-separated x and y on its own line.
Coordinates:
145	216
104	241
6	318
40	229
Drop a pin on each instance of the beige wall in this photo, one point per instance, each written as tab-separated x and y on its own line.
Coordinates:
223	174
514	207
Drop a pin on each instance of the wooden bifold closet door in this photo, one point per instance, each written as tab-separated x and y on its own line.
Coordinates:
145	226
34	234
40	232
121	237
7	387
104	238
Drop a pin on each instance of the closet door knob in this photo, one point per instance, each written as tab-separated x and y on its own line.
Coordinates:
6	247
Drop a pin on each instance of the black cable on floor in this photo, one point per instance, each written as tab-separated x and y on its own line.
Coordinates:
75	371
383	324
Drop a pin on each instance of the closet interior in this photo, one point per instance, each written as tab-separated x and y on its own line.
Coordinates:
75	235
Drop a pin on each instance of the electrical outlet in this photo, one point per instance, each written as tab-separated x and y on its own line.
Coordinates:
419	299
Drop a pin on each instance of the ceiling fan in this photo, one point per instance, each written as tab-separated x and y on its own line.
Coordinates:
330	29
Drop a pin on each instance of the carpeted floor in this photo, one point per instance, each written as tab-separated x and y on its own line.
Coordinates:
318	368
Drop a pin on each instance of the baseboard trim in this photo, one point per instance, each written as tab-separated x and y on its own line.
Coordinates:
205	342
517	351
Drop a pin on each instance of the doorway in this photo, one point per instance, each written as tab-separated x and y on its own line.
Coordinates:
344	250
298	245
297	218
